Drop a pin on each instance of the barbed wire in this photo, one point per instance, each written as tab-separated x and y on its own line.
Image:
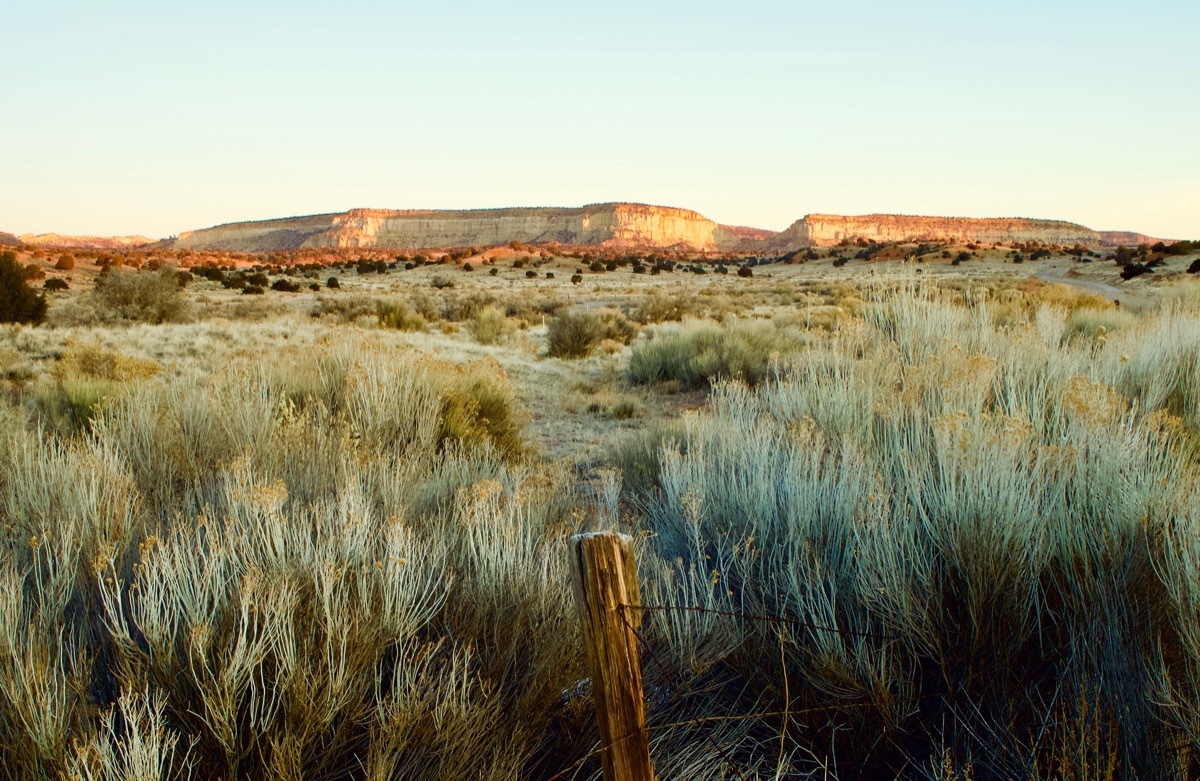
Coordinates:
692	718
764	619
691	713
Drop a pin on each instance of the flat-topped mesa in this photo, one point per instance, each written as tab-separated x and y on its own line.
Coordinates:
1128	239
609	224
59	241
257	236
827	230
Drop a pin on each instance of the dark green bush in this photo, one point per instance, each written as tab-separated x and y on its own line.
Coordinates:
18	301
397	314
576	334
144	296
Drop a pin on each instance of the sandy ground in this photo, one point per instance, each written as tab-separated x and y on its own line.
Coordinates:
570	402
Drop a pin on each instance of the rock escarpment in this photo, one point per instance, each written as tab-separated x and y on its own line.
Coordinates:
738	238
88	242
260	236
827	230
1127	239
624	226
612	225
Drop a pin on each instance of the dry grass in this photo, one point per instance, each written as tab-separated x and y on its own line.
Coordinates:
291	569
286	546
1001	513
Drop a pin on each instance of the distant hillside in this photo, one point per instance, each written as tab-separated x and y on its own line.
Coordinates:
737	238
1127	239
88	242
826	230
609	224
632	226
9	240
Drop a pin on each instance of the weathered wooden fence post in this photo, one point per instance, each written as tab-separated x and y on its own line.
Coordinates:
605	576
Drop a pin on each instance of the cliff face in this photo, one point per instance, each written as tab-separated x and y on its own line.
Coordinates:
624	226
736	238
826	230
88	242
613	224
1127	239
261	236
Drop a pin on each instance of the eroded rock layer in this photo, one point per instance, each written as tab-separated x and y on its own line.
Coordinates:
1126	239
827	230
87	242
612	224
625	225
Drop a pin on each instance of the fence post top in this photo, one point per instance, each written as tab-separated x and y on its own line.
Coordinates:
578	538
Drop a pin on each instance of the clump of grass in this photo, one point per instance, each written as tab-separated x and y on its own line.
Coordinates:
698	353
1066	297
477	408
576	334
638	456
93	360
489	325
85	376
132	296
397	315
1092	323
14	365
346	308
662	307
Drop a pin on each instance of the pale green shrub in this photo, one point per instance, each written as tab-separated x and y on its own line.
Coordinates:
951	514
145	296
489	325
1093	323
256	575
699	352
396	314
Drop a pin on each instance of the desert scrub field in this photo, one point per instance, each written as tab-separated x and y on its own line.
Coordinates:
320	539
329	564
985	537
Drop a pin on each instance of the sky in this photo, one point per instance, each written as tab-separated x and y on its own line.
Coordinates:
153	118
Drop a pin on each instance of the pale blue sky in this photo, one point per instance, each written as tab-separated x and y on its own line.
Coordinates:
155	117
